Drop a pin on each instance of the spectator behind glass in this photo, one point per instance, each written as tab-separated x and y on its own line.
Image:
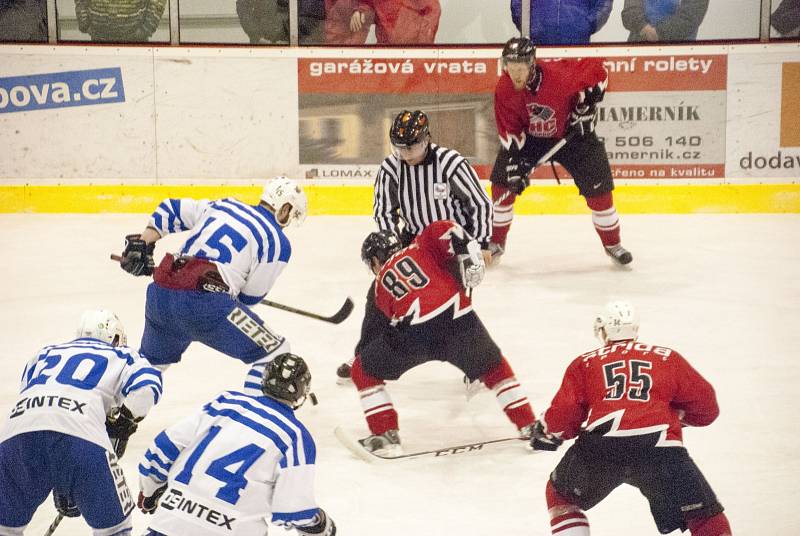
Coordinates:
119	20
786	18
563	22
397	22
267	21
663	20
23	20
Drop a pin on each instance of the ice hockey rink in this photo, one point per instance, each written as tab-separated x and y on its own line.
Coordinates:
721	289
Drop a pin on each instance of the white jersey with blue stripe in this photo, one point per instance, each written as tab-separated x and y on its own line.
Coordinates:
245	242
239	463
71	387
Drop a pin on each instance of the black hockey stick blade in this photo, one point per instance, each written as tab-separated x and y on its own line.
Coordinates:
337	318
370	457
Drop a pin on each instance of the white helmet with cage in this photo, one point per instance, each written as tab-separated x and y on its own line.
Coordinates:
102	325
282	191
619	321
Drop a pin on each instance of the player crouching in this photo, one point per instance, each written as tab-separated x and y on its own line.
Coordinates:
420	311
241	458
58	436
637	397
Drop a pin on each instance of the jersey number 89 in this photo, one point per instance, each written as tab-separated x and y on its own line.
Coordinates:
402	277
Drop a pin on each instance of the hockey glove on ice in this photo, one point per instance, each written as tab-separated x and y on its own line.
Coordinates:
517	171
323	526
149	504
120	425
542	440
137	259
65	505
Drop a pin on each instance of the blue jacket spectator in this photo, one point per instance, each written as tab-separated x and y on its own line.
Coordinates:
563	22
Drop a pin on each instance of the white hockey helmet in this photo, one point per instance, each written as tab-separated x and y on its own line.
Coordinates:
103	325
281	191
619	321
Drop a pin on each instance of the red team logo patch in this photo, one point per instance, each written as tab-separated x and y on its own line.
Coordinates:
542	121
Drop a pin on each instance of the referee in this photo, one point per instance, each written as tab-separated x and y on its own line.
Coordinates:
418	184
421	182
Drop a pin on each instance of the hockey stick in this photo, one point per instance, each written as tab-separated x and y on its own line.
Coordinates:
543	160
337	318
359	451
54	525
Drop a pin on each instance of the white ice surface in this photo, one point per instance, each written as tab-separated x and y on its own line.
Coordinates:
723	290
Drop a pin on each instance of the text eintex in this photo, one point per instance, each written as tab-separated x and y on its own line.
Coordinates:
59	90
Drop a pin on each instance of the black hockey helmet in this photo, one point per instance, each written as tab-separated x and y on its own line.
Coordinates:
408	128
380	245
519	49
288	379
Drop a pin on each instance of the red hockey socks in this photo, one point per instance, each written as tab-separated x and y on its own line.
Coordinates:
509	393
566	519
605	219
503	213
713	526
375	401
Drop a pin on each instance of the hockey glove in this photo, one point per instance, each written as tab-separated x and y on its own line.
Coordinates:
137	259
149	504
471	266
120	425
517	171
542	440
323	526
65	505
584	116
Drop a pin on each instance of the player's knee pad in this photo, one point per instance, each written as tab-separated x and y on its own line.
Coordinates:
360	378
13	531
498	373
565	517
716	525
125	528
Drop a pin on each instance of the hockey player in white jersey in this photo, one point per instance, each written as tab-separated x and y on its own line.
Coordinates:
58	436
230	260
242	461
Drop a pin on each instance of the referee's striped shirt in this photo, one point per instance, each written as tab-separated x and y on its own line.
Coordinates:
443	187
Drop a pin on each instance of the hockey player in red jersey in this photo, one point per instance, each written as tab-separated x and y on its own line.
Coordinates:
420	310
634	398
536	104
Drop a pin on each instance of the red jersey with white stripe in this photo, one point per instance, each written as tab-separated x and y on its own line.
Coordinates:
416	280
545	112
635	389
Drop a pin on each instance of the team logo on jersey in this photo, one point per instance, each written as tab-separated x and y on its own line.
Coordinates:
441	190
175	500
542	121
47	401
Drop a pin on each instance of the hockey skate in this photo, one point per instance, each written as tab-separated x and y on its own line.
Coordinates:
386	444
472	388
343	374
526	431
619	254
496	250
